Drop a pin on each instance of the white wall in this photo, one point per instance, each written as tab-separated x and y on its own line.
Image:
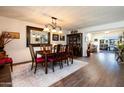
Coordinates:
103	27
17	48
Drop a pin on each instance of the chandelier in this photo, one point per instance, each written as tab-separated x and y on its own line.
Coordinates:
53	27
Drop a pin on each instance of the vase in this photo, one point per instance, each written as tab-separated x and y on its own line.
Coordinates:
2	66
1	49
2	55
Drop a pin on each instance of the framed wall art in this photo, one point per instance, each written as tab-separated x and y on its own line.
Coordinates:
36	36
55	37
14	35
62	38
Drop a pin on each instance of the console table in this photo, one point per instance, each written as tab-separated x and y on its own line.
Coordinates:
5	76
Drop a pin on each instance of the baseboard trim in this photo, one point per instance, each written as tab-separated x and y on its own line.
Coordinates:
21	63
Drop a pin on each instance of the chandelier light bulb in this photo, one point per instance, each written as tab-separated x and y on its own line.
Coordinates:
107	32
33	35
60	31
46	29
53	30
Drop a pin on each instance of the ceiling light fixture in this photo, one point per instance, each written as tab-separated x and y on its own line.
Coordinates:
106	32
53	27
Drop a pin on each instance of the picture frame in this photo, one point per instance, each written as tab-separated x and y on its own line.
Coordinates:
62	38
14	35
96	40
36	36
55	37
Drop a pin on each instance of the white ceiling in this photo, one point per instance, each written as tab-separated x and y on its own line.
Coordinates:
111	34
72	17
114	32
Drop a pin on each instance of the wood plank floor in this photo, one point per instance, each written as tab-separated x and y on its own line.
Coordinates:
102	71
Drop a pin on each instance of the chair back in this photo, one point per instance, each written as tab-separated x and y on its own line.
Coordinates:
48	48
66	48
42	48
58	48
70	49
55	48
32	52
63	48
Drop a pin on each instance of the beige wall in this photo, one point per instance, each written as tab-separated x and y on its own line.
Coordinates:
17	48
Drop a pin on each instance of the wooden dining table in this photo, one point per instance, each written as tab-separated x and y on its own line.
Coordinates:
45	54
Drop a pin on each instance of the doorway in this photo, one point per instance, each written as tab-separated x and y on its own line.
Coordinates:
107	41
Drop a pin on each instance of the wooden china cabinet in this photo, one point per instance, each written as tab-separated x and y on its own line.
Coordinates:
75	40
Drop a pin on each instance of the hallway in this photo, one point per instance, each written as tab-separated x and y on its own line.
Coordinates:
102	71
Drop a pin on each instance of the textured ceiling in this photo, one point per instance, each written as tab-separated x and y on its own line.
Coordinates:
72	17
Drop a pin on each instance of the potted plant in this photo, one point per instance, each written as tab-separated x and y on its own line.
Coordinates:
5	38
89	50
121	46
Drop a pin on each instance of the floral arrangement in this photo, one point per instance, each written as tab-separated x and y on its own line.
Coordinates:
5	38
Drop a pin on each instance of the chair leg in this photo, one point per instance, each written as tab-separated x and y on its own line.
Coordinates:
67	63
117	58
72	61
121	59
11	67
53	66
60	65
32	65
35	69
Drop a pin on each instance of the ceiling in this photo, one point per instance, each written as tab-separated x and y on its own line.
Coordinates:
110	34
70	17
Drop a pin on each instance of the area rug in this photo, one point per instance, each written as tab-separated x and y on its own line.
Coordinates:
22	76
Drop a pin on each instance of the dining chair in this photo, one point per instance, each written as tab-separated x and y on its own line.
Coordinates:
51	58
35	59
120	55
64	54
57	55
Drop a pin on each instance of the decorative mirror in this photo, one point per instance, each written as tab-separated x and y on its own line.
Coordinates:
36	36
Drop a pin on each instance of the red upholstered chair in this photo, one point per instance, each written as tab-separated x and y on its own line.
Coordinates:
7	60
35	59
55	57
51	56
64	54
59	54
